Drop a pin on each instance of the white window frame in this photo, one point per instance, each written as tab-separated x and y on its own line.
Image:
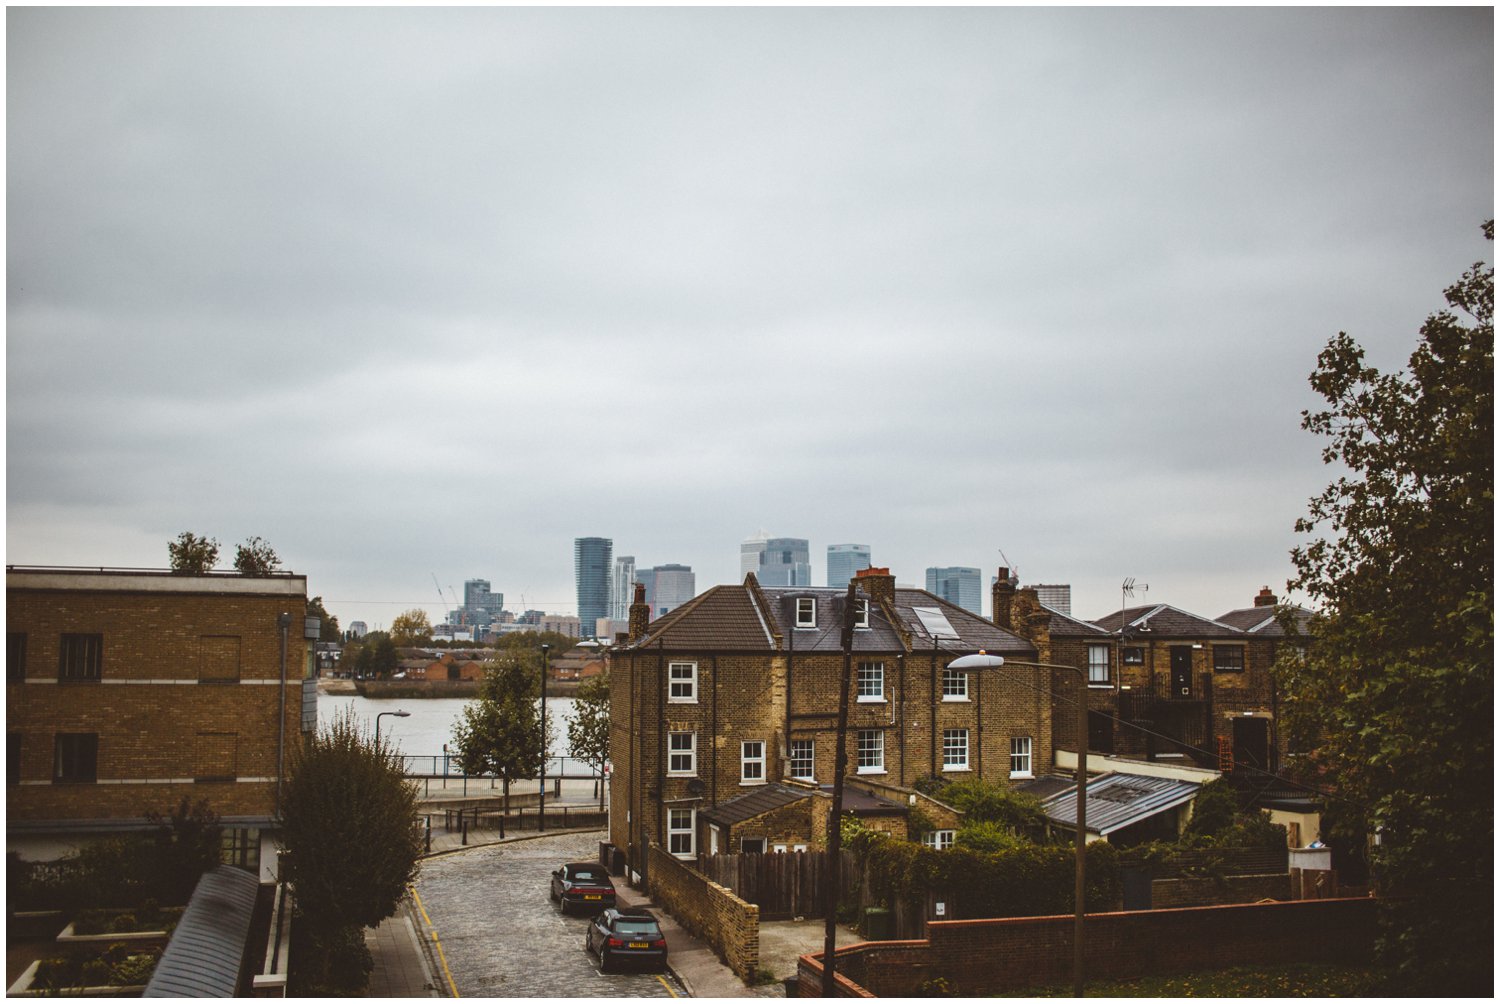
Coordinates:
862	613
676	831
1020	756
675	752
793	760
955	742
869	748
955	685
753	764
807	605
676	692
870	672
1096	665
938	840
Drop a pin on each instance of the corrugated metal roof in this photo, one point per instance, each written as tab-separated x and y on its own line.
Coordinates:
1115	801
203	958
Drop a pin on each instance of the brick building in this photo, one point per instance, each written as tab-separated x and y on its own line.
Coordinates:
128	690
738	689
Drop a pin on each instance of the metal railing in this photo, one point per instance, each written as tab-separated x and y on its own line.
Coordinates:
446	765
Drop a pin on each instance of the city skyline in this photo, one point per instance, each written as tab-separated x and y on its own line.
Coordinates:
1047	298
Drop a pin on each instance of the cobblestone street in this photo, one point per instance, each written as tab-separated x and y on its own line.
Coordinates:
502	936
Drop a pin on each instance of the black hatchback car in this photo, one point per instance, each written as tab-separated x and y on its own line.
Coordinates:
583	884
626	936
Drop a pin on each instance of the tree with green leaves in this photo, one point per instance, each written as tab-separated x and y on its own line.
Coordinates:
255	557
588	732
329	631
349	829
191	554
500	731
1397	681
411	628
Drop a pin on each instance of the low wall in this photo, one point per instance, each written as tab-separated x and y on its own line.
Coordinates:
979	957
729	925
1169	893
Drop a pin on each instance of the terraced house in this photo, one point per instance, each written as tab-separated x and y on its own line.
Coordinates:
128	690
736	692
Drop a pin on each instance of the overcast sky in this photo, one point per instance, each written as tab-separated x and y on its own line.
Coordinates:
417	293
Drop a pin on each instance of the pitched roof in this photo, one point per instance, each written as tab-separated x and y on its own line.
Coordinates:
1067	626
1262	621
1115	801
725	618
781	604
1163	621
974	632
754	803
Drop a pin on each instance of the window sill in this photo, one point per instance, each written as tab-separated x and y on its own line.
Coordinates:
682	700
870	770
1023	775
682	773
956	770
752	784
869	700
950	699
1101	686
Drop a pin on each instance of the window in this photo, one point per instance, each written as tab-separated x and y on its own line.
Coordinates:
1098	664
871	685
752	845
955	749
219	659
1135	655
682	753
1020	756
807	612
871	751
1229	658
802	759
861	613
80	657
241	848
938	840
76	757
753	762
682	682
681	840
12	758
955	685
15	656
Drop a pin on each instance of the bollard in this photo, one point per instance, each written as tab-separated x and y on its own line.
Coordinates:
429	835
463	829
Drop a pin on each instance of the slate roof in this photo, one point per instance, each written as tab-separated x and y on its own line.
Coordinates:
1262	621
880	636
1163	621
756	802
723	619
203	957
1115	801
974	631
1066	626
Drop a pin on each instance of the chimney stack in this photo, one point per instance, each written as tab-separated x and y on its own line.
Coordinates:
1001	594
1266	597
877	583
640	613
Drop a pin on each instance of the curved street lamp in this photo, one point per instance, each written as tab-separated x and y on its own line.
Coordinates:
984	661
394	714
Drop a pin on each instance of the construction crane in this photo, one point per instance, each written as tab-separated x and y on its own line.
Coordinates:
443	600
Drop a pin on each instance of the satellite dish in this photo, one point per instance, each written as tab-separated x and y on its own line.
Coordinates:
695	788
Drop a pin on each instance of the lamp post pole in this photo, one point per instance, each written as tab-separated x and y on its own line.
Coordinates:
541	794
394	714
1080	839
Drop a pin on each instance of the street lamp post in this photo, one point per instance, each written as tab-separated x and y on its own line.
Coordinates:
983	661
394	714
541	794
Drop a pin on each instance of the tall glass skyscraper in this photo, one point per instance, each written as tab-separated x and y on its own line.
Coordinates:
592	561
620	593
956	585
777	561
844	560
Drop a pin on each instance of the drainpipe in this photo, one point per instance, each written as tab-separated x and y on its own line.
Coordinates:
932	693
283	620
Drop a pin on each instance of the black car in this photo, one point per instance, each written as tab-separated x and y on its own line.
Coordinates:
583	885
626	936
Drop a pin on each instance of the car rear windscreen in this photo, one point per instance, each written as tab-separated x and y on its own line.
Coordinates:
647	928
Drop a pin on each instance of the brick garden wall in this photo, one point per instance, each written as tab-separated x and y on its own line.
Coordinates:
980	957
729	925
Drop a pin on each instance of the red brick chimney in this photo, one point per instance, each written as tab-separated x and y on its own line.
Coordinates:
640	612
877	583
1266	597
1001	594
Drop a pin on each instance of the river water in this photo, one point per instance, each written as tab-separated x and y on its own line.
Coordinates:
430	722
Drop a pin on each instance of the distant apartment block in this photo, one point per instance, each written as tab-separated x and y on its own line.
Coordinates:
1056	597
562	624
358	629
777	561
620	588
957	585
844	560
592	567
670	587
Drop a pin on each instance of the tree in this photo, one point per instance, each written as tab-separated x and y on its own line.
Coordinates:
1398	678
330	624
588	732
411	627
349	829
255	557
190	554
500	731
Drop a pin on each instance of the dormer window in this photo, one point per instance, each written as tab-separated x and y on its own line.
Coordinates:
861	613
807	612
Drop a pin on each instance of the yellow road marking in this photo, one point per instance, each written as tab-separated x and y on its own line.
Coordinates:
666	984
442	958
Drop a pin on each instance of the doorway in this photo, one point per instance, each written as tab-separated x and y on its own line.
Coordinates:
1182	671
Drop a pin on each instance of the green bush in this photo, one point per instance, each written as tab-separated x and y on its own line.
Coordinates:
988	837
328	963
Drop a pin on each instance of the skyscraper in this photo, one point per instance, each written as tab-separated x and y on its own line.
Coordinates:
777	561
481	607
671	587
591	570
844	560
956	585
619	592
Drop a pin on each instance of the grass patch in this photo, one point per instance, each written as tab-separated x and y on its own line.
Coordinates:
1302	980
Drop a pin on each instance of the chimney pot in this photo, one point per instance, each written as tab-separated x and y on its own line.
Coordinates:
1266	597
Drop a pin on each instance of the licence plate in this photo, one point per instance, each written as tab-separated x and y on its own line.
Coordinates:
640	944
592	896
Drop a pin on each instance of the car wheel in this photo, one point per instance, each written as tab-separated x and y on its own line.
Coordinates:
604	961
